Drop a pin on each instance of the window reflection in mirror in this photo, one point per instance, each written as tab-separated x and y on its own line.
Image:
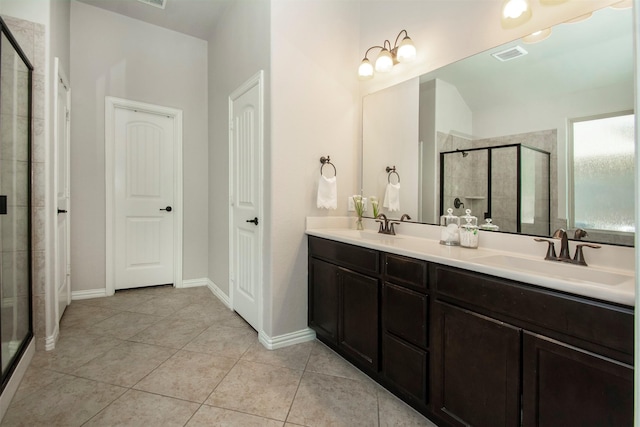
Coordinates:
603	177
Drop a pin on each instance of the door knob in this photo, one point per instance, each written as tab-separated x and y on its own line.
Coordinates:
62	211
168	209
254	220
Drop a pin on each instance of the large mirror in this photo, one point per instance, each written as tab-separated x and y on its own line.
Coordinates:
565	102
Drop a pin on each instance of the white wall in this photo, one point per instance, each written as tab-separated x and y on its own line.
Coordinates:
112	55
315	111
238	48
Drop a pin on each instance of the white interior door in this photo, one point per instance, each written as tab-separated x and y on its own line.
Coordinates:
143	198
61	171
246	130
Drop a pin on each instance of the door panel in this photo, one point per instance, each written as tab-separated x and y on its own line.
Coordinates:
245	169
144	177
62	236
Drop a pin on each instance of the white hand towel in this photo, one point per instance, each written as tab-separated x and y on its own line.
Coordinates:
327	193
392	197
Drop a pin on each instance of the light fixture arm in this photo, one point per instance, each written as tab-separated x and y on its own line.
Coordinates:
372	47
395	44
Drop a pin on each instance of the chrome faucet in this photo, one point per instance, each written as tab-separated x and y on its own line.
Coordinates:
564	256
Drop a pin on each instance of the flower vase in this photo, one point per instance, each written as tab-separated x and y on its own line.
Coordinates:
359	225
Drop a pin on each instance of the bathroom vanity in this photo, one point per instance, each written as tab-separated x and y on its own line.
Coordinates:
467	344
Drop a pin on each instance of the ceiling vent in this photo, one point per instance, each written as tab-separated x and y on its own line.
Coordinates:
509	54
156	3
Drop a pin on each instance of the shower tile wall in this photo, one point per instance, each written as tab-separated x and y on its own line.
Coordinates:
31	38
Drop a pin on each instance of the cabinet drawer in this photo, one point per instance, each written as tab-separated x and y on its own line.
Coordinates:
355	257
591	321
406	367
405	313
406	271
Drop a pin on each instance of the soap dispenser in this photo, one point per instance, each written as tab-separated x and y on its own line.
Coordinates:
450	229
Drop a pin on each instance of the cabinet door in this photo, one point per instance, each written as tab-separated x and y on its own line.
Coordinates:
405	313
476	373
359	320
567	386
323	299
405	366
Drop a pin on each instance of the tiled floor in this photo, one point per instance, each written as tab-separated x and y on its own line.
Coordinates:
165	357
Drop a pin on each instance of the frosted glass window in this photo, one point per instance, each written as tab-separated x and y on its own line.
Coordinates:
603	173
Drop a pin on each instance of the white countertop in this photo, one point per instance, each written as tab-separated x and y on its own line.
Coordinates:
428	248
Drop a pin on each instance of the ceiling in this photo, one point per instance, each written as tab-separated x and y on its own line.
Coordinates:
576	57
196	18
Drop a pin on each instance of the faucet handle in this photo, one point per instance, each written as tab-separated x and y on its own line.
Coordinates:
551	250
579	256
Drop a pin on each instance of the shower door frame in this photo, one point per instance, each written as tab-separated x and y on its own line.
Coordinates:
6	376
518	148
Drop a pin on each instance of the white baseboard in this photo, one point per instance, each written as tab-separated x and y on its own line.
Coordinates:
51	340
195	283
90	293
13	383
280	341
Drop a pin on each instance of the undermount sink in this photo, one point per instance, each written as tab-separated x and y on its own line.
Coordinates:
555	269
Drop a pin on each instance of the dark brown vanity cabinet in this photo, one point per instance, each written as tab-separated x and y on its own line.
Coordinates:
476	369
568	386
405	312
469	349
496	341
344	294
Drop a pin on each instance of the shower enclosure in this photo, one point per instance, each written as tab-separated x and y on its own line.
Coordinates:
16	328
509	184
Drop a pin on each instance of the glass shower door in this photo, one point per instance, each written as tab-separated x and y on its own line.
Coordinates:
15	202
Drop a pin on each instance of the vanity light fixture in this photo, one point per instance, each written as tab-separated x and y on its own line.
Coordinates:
388	56
515	13
538	36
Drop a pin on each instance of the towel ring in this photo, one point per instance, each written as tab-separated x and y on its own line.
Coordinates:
325	161
392	171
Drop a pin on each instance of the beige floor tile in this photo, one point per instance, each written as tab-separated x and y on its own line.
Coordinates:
73	351
324	400
394	412
223	341
323	360
125	364
210	416
83	316
292	357
170	332
258	389
120	301
35	379
68	402
125	324
162	305
136	408
187	375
